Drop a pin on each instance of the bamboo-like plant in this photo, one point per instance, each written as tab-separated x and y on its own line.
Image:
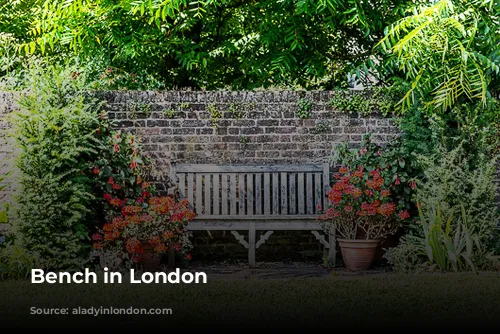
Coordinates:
449	52
443	250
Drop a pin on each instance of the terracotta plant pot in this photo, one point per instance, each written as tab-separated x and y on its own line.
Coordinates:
358	254
149	260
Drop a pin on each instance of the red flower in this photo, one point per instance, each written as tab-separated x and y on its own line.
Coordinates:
111	180
115	202
398	181
379	153
404	215
95	170
116	148
188	257
362	151
107	197
387	209
133	165
343	170
116	186
413	184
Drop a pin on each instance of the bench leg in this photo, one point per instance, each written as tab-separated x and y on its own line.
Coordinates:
251	246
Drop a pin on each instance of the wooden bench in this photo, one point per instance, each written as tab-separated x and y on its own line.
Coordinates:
257	199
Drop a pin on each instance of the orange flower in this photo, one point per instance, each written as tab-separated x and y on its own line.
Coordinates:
115	202
131	209
343	170
404	215
155	240
387	209
168	235
107	227
161	248
358	174
385	193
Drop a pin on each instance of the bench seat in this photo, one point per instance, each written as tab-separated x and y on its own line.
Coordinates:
258	199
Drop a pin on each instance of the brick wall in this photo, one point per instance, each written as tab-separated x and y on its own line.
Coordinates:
240	127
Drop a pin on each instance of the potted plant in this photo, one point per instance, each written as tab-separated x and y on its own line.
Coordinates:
361	211
143	231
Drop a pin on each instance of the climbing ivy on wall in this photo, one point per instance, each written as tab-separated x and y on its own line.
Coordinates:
381	100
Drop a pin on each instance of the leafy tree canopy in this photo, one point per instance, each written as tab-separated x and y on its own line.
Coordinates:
450	53
206	44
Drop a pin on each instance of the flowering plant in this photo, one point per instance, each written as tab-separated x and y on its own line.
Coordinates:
157	223
121	170
360	205
396	167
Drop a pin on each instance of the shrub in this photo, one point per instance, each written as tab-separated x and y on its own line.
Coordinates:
360	206
158	222
120	171
407	257
449	181
16	261
395	165
55	130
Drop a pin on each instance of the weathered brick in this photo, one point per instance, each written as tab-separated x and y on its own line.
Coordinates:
268	154
193	123
183	131
158	123
268	122
205	131
233	131
252	131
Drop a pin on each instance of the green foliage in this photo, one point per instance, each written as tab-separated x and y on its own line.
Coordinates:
203	44
445	248
16	261
244	140
120	171
407	257
381	100
236	110
397	169
320	127
55	129
449	181
305	107
347	102
448	51
215	115
143	108
3	177
169	113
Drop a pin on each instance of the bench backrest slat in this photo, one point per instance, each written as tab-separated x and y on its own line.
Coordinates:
217	191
